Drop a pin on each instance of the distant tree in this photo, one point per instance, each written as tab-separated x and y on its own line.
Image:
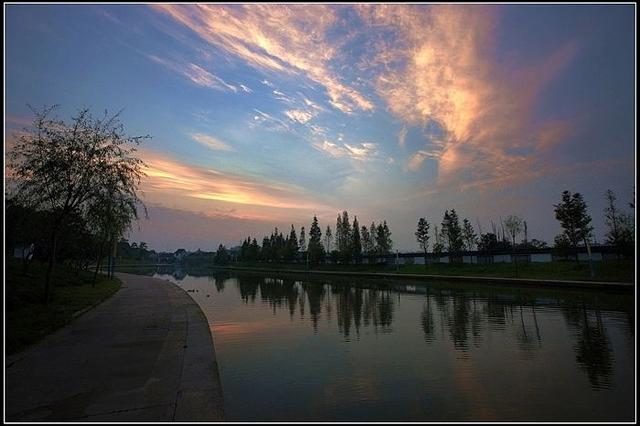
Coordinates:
303	240
356	242
422	236
438	244
316	251
384	244
292	244
561	245
468	234
343	236
367	242
254	250
328	238
574	219
453	233
537	244
621	226
513	224
265	251
373	231
488	242
222	256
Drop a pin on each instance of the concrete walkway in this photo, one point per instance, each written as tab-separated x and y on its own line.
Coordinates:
145	354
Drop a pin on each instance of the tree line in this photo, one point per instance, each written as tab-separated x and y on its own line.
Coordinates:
572	213
347	242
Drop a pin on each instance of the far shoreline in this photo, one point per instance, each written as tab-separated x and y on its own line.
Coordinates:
418	278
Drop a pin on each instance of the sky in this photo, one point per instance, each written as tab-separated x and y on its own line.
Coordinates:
264	115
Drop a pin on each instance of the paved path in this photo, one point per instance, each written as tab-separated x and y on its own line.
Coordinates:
145	354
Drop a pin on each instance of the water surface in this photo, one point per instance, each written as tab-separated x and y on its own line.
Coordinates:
362	349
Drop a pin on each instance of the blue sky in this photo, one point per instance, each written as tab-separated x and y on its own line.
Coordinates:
264	115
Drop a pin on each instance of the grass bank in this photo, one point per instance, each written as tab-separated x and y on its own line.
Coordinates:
610	271
28	320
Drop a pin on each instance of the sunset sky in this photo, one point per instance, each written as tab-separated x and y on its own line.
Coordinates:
264	115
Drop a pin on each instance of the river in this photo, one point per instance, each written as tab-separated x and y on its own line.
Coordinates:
290	348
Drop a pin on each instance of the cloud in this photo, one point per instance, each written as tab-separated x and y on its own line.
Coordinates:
246	88
402	136
210	142
194	188
196	74
269	122
361	152
439	68
299	115
288	39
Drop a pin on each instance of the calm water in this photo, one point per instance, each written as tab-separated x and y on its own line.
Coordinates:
364	349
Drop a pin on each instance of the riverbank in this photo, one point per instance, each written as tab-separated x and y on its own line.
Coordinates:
609	285
28	319
146	354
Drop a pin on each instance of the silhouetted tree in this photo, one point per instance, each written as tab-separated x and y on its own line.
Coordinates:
316	251
513	224
574	219
468	234
65	168
621	226
303	240
453	233
328	237
222	256
292	244
343	236
422	236
356	244
384	244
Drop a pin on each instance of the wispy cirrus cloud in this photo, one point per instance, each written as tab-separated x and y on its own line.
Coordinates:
195	73
360	152
210	142
289	39
402	136
299	115
268	121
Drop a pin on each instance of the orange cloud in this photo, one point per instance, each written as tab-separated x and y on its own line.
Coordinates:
177	185
440	67
289	39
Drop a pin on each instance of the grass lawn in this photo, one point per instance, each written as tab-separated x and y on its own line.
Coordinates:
28	319
612	270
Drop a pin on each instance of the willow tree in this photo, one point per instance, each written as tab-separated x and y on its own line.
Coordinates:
70	168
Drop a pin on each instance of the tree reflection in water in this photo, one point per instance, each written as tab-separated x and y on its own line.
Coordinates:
458	313
592	347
